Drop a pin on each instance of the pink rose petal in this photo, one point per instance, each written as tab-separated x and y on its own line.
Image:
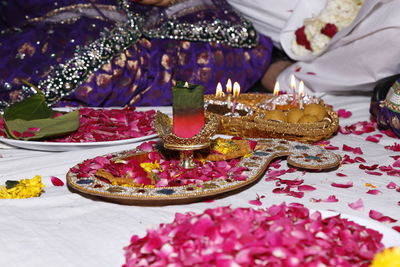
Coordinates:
370	168
359	159
374	173
16	133
56	181
395	147
28	134
395	157
331	147
396	228
306	188
386	168
374	192
376	215
392	185
358	205
341	174
34	129
355	150
374	138
344	113
296	194
397	163
346	185
331	198
257	201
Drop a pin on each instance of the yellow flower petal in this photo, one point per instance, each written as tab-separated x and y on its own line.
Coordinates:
26	188
150	166
389	257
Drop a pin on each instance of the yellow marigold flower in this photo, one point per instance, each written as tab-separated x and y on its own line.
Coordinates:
26	188
370	185
389	257
225	146
150	166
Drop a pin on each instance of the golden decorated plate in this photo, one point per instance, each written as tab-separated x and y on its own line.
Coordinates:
298	155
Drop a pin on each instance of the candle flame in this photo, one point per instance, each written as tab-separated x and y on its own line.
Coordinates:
186	85
236	89
301	89
229	86
292	82
276	89
219	92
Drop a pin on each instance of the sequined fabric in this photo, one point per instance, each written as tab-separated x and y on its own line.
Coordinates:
387	111
104	57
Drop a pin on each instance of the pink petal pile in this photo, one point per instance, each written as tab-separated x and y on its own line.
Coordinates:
282	235
98	125
170	172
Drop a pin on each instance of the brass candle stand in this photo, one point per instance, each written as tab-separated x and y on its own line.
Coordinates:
186	146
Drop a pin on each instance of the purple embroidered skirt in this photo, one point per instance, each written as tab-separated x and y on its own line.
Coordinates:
76	62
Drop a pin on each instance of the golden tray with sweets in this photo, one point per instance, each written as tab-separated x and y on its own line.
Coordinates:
255	125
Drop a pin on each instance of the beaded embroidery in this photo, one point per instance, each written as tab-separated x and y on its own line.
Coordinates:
65	78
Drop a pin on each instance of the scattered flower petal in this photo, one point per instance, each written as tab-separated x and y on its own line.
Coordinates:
344	113
376	215
355	150
374	138
374	192
358	205
346	185
306	188
392	185
397	163
395	147
56	181
374	173
256	202
370	168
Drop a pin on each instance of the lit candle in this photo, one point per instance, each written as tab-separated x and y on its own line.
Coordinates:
276	93
188	109
293	87
301	94
219	92
236	93
276	89
229	91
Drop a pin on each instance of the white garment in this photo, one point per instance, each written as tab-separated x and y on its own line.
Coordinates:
358	56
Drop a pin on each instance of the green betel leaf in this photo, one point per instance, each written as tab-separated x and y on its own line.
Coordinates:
31	108
42	128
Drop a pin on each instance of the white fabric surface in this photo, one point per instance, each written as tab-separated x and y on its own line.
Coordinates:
356	57
66	229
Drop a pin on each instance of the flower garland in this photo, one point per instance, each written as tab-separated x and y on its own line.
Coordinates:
25	188
282	235
316	33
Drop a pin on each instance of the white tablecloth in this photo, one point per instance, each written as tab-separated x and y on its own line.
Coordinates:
61	228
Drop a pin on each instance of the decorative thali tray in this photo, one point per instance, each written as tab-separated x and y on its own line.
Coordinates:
253	124
299	155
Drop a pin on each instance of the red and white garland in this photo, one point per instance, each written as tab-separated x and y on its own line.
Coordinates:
314	36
